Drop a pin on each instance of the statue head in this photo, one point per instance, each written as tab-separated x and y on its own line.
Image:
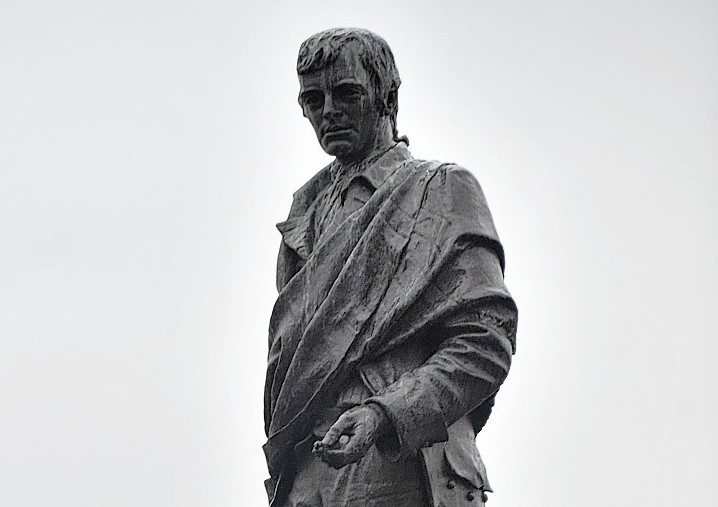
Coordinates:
348	91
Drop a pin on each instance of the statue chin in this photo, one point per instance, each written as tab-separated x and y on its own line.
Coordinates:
341	149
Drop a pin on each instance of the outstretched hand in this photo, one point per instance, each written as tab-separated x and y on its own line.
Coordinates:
351	436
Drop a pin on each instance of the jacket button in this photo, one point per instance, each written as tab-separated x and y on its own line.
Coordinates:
451	484
470	496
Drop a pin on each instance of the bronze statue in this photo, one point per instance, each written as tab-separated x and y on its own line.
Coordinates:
393	329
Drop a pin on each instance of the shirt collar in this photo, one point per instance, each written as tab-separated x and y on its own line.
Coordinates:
296	230
376	171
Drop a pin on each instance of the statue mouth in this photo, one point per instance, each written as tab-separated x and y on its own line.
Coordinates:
337	132
330	129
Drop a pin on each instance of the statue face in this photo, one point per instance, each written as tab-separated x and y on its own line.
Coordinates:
341	104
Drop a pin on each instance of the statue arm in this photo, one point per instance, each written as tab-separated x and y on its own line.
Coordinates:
471	346
470	363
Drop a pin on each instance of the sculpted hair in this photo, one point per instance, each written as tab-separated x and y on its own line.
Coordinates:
321	49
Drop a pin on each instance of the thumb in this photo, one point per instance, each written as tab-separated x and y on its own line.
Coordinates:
332	435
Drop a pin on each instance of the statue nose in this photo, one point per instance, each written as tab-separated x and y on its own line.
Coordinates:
330	109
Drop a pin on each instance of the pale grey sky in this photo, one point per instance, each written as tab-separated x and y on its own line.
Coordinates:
147	148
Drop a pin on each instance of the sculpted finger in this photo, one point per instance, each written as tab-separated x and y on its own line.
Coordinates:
321	447
343	426
331	437
353	450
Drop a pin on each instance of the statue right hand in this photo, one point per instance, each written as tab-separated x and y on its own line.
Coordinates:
351	436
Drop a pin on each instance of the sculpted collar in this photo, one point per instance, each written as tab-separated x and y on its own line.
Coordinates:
297	230
375	170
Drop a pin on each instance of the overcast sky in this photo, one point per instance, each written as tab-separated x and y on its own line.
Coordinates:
147	148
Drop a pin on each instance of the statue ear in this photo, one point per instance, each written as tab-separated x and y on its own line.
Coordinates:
391	102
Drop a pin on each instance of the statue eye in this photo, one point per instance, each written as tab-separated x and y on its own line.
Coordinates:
348	92
313	100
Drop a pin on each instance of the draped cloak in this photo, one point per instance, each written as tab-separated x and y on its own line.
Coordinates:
394	267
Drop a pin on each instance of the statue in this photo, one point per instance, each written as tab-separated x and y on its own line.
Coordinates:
393	330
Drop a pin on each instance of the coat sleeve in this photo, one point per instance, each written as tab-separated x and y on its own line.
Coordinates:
473	350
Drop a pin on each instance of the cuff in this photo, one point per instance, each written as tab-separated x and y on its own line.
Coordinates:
415	415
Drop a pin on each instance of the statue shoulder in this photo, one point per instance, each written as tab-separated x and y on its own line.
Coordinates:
452	177
307	193
453	192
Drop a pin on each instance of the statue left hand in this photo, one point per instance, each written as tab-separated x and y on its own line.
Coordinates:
349	439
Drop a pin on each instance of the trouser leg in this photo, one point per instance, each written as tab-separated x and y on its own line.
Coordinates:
372	482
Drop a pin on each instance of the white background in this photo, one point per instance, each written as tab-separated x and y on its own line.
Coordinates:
147	148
